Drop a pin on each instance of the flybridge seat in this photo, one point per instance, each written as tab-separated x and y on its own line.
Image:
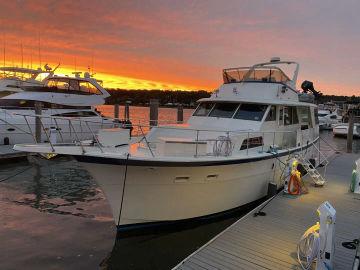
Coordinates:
261	74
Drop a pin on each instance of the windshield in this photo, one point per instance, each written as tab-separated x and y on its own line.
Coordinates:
253	112
243	111
263	74
73	85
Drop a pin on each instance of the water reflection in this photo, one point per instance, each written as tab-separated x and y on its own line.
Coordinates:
51	186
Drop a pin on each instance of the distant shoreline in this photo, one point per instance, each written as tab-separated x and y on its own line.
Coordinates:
188	99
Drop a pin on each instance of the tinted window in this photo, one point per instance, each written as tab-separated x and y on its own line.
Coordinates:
272	114
253	142
203	109
253	112
224	110
77	114
88	87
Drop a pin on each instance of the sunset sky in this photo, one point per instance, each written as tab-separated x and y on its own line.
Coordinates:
185	44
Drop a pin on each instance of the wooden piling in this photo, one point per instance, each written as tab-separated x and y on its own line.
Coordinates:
350	133
154	112
180	114
116	111
127	110
38	111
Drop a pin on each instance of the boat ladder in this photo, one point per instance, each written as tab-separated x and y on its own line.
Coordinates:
318	179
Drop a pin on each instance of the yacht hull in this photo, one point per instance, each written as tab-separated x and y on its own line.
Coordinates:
16	129
342	130
153	194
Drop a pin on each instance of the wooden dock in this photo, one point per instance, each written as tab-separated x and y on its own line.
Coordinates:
270	242
8	154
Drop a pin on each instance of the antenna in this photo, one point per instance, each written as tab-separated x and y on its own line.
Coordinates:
39	50
22	55
75	63
92	62
4	53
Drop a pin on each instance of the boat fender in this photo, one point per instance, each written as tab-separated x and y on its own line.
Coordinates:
353	180
294	186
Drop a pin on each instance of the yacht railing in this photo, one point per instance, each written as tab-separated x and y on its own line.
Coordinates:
183	141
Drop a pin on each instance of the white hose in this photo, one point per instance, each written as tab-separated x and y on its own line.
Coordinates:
309	247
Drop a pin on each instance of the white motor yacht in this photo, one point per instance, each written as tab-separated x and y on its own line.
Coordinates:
328	118
12	79
343	129
234	144
62	96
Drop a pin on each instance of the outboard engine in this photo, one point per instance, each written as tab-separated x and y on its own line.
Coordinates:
307	86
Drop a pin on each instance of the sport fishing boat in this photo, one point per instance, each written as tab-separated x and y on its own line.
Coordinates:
234	144
69	98
12	79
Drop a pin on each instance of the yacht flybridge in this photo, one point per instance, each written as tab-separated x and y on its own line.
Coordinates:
69	98
234	144
12	79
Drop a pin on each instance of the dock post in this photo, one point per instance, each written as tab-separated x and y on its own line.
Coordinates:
38	111
180	114
154	112
127	110
116	112
350	133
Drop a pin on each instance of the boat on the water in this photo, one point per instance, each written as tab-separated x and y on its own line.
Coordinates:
236	142
13	79
328	118
342	130
61	96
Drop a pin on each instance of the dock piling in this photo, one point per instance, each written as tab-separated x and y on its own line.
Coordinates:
38	111
350	134
116	111
154	112
180	114
127	110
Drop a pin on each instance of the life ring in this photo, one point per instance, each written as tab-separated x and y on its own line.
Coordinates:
294	186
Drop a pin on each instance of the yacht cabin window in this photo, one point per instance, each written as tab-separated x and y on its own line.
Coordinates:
252	112
252	143
316	115
224	110
203	109
305	117
272	114
82	87
77	114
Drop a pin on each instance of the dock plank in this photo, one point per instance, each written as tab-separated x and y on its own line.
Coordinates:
269	242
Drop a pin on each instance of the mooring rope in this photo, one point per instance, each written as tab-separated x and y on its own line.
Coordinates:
123	188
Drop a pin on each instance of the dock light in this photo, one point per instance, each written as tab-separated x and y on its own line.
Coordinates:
327	215
318	241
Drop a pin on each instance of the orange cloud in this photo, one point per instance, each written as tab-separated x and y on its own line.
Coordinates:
185	44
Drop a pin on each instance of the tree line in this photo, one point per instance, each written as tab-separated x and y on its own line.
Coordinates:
187	98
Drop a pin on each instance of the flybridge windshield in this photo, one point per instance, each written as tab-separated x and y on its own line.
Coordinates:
73	85
262	74
22	75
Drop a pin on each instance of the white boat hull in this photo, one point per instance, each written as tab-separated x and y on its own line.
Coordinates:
17	130
157	194
343	129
